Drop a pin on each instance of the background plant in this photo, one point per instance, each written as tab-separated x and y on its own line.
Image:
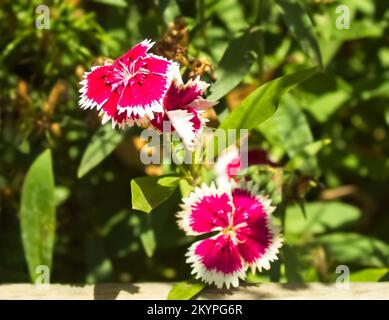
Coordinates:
330	134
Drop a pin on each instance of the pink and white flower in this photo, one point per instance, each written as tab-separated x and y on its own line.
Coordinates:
131	88
182	108
228	165
245	234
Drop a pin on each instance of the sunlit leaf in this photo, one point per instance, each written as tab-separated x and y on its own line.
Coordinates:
115	3
147	235
103	142
323	95
258	106
185	290
37	213
320	217
149	192
369	275
288	128
263	102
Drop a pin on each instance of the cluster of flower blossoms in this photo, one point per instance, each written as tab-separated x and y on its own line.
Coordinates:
145	88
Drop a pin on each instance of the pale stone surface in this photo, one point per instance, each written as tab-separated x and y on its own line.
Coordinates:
160	291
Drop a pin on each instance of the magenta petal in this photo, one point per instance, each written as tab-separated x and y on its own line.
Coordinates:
219	254
110	106
196	121
227	165
254	240
158	65
96	87
248	207
258	240
143	95
217	260
180	108
233	167
210	212
180	96
110	109
158	122
255	236
206	209
136	52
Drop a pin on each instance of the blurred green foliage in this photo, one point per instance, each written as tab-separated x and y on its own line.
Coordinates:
341	187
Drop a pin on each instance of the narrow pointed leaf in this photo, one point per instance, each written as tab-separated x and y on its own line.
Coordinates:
300	25
263	102
37	214
102	144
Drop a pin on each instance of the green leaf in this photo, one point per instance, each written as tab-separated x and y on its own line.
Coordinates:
288	128
256	108
147	235
98	263
37	213
149	192
263	102
147	239
363	29
185	290
168	9
320	217
305	160
355	248
255	278
235	63
231	12
369	275
61	194
300	24
324	94
292	265
102	144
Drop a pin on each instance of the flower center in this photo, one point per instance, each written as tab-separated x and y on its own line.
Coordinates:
231	230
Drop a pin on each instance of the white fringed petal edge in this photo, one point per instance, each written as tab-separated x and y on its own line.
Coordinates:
216	277
211	276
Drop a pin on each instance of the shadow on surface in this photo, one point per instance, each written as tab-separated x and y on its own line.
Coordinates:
111	291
